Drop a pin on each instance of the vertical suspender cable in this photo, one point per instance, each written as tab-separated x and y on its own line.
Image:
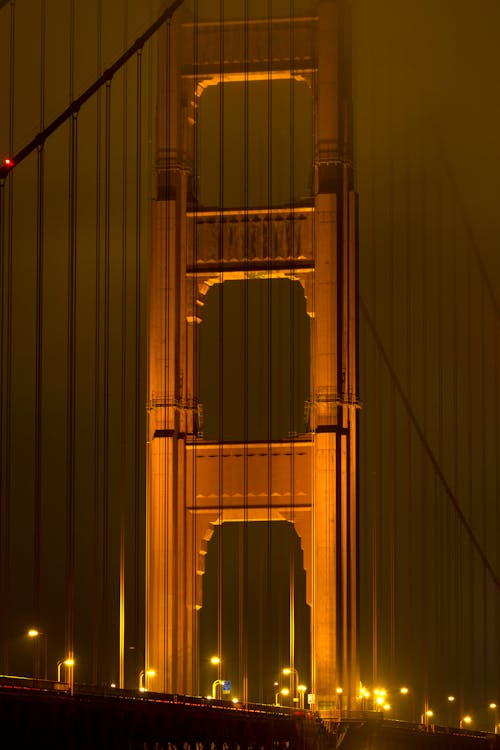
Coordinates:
269	598
123	399
197	426
138	414
71	358
471	593
6	352
220	568
104	515
411	639
374	505
393	463
96	624
291	369
425	548
3	508
243	547
37	499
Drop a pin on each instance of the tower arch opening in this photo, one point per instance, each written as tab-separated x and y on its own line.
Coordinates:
254	143
254	355
259	616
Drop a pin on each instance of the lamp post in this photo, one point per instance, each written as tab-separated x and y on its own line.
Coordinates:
363	695
339	692
142	678
215	683
301	689
451	701
465	722
69	663
427	716
35	634
288	671
283	691
494	707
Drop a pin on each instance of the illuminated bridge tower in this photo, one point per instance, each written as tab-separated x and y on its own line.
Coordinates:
194	485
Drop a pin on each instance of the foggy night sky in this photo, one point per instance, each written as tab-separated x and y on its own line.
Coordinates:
426	77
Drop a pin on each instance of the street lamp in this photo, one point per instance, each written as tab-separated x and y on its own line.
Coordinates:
363	695
214	687
283	691
465	721
142	678
451	701
301	690
69	663
34	634
215	660
494	708
339	692
288	671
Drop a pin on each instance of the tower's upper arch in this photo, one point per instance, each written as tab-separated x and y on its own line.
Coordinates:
254	144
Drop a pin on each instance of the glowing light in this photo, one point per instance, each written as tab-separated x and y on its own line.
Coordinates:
287	671
380	700
404	691
235	700
467	719
151	672
113	684
339	690
302	688
386	706
215	660
285	691
429	713
493	705
451	698
8	162
33	633
69	662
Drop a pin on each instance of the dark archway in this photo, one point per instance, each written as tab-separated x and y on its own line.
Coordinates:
260	561
254	361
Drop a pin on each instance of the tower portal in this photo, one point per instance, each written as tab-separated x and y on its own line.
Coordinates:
254	179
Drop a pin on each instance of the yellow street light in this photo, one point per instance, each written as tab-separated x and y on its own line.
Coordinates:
339	691
284	691
288	671
386	706
34	633
451	698
215	660
301	689
494	708
404	690
69	663
429	713
142	678
466	720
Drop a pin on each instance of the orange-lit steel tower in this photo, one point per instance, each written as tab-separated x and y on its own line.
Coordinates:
189	481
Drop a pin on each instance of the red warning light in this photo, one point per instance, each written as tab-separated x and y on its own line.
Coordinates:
8	162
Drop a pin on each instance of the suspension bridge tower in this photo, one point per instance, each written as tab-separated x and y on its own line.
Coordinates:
194	485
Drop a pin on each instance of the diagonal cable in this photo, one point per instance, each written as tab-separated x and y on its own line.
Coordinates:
427	448
77	103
